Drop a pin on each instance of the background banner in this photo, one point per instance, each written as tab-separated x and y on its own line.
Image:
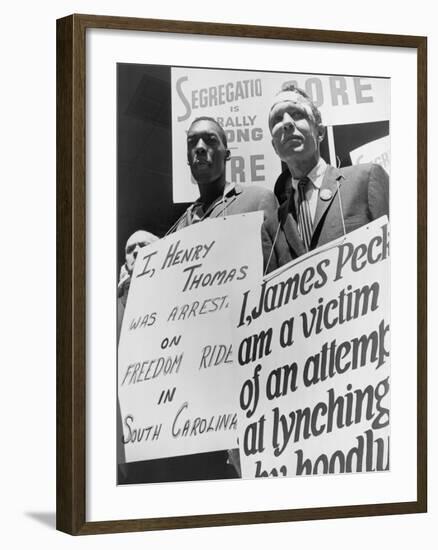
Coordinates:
240	101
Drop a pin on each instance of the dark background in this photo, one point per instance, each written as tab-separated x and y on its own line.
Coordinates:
144	151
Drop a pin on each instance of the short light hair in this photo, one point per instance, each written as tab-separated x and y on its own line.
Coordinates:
219	127
289	87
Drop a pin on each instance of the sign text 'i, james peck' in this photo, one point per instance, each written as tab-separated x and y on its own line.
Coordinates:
313	348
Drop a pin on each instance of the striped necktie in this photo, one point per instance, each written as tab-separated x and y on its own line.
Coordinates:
304	216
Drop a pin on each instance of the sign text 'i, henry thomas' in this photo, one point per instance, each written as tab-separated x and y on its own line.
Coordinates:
175	353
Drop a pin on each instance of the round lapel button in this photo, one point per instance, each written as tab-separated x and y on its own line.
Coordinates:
325	194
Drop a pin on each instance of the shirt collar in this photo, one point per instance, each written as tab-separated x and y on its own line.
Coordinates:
231	188
316	175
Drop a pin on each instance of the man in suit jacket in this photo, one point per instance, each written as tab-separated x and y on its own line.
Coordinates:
318	203
207	154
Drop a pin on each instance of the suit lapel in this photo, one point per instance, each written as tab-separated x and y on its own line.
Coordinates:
329	187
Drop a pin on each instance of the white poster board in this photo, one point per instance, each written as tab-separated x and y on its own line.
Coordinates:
177	384
377	151
312	343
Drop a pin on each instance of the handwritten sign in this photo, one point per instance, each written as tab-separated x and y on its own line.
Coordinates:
177	383
240	101
312	343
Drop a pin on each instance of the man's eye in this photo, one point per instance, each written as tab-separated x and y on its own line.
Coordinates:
297	115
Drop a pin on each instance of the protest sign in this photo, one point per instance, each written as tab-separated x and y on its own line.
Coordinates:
177	384
312	344
377	151
240	101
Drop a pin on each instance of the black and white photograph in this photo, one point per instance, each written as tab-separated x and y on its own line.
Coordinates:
219	275
253	274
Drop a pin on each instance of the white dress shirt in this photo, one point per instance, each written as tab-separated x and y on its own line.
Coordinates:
316	175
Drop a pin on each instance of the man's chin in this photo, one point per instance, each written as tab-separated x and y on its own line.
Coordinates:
293	153
203	173
200	169
203	168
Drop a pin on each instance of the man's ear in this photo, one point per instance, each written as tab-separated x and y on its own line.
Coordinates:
321	132
273	145
227	154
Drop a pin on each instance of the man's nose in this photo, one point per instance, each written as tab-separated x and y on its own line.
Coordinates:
200	145
288	121
135	251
